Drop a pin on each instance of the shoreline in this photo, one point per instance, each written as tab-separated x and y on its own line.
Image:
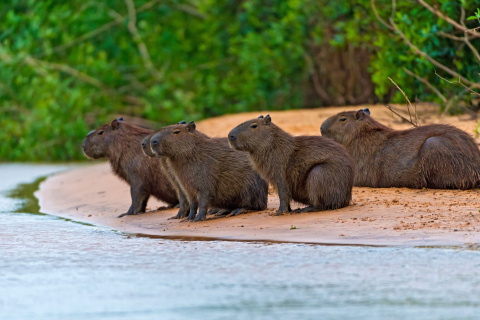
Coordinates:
376	217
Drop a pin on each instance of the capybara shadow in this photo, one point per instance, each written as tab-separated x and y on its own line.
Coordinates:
211	174
120	142
431	156
312	170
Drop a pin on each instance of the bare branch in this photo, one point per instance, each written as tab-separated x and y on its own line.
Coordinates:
191	10
142	48
428	84
450	36
398	114
459	81
449	20
426	56
375	12
409	103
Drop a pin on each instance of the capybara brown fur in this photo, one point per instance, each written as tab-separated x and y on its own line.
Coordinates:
120	142
165	164
431	156
312	170
211	173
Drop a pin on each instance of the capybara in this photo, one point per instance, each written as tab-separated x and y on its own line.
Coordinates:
312	170
166	167
431	156
209	171
120	142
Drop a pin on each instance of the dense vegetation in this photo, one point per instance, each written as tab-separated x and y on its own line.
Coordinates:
67	66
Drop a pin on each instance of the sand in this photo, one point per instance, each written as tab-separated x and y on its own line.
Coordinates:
388	216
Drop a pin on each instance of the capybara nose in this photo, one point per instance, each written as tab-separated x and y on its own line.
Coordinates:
232	137
155	142
322	129
144	144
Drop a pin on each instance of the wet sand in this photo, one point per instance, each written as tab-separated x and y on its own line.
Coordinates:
389	216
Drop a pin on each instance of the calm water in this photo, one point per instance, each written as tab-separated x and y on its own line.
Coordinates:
51	268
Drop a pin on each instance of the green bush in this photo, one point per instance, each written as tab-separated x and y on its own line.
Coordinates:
68	66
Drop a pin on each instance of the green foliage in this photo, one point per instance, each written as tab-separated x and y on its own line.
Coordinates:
68	66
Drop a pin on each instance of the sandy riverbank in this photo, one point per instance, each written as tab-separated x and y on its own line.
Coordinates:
393	216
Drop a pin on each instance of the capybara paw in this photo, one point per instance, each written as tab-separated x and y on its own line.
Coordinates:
126	214
199	219
222	212
280	212
236	212
174	217
306	209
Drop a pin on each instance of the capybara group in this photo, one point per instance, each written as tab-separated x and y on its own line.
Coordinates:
312	170
429	156
210	172
120	142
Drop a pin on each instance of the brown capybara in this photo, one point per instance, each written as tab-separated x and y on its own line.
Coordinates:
312	170
431	156
120	142
166	167
210	172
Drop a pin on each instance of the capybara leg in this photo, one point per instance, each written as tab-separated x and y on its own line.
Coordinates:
222	212
202	214
139	201
184	207
307	209
284	196
129	212
218	211
236	212
193	211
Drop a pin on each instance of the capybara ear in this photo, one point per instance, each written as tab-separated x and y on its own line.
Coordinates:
367	111
360	115
115	124
261	117
267	120
182	122
120	119
191	126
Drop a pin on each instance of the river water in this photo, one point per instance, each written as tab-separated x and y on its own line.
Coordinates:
52	268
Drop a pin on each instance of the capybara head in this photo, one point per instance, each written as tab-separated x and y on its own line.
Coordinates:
96	144
344	126
175	140
252	135
146	146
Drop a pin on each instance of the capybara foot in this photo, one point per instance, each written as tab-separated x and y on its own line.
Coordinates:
199	217
174	217
218	211
279	213
127	214
165	208
236	212
306	209
222	212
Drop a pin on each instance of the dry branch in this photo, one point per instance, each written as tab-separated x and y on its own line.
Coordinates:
409	104
398	114
428	84
449	20
460	82
426	56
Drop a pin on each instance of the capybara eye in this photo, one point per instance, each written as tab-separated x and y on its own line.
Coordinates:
342	119
176	131
253	126
100	133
